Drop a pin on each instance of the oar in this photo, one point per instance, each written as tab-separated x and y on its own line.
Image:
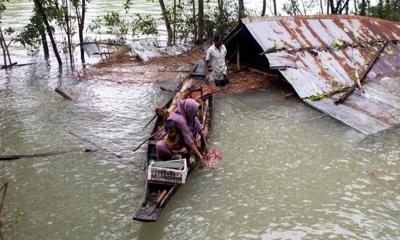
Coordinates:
147	139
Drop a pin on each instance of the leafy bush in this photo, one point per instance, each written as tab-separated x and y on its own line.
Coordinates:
225	23
119	28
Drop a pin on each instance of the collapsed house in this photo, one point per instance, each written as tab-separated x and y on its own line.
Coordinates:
345	66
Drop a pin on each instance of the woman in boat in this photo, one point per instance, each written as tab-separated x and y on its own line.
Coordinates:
188	125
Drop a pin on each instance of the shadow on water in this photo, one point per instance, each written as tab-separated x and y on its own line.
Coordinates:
152	230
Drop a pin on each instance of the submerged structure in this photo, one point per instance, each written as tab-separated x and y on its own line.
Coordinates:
326	57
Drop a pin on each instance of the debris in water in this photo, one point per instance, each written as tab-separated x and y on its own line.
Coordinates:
121	68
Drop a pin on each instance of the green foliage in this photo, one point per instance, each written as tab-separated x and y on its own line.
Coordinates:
389	10
292	8
185	24
336	89
222	23
30	37
318	96
117	27
127	4
114	25
2	7
144	25
9	31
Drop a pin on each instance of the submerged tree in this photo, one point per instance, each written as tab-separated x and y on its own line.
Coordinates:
80	12
167	21
201	22
34	33
39	6
3	44
67	27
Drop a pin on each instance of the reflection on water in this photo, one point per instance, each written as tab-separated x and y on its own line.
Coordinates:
289	172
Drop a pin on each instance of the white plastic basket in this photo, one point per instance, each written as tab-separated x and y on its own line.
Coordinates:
167	174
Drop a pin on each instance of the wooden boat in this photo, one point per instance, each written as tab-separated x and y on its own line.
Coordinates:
157	194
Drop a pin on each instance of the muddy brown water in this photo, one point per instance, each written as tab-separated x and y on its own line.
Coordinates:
288	172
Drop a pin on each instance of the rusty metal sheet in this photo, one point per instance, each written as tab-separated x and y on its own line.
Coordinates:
349	116
143	50
330	53
90	46
281	60
319	31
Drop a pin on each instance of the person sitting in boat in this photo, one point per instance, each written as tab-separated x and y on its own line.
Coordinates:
172	141
216	59
188	125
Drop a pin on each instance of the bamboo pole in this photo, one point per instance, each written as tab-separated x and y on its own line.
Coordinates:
19	156
147	139
96	145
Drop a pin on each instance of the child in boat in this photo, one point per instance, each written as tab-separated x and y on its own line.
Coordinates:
171	144
188	125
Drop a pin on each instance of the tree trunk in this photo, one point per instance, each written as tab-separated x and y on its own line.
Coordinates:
46	22
322	6
304	8
355	7
221	10
327	7
200	31
3	47
345	7
81	27
241	9
44	43
380	8
362	10
194	19
332	7
68	30
264	7
166	21
275	11
174	22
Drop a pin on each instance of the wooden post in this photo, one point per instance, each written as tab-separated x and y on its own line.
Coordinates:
237	56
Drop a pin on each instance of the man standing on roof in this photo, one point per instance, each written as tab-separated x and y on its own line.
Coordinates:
216	59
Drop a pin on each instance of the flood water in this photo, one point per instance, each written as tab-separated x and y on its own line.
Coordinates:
289	172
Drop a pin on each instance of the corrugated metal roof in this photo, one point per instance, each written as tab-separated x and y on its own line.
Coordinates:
319	55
